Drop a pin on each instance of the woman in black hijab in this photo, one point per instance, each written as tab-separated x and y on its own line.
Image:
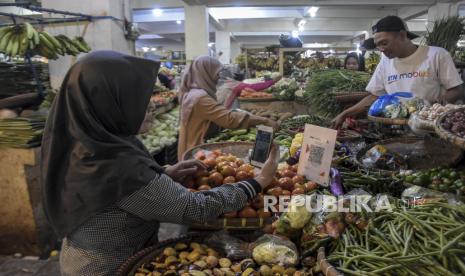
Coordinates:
102	191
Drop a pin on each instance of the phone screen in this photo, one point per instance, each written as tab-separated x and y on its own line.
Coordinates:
262	146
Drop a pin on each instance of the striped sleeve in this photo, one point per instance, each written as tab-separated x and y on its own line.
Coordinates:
167	201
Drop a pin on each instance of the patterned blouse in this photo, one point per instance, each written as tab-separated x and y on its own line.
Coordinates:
107	239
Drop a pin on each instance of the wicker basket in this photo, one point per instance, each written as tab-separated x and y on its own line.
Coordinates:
349	97
388	121
270	99
239	149
440	154
130	267
447	135
234	224
325	266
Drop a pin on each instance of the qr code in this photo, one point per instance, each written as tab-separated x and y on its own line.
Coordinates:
316	155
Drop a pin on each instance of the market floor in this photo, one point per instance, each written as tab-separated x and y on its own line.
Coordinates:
32	266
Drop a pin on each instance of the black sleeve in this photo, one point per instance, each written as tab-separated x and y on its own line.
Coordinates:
167	201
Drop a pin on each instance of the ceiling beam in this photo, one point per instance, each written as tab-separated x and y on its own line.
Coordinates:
219	26
407	13
194	2
156	4
320	3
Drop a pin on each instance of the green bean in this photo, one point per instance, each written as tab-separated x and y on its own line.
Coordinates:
407	241
451	243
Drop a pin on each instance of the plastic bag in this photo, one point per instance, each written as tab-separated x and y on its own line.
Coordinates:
378	107
379	157
233	248
290	223
417	195
271	250
420	126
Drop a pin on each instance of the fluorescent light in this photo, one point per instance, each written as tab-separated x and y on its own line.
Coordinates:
145	49
313	10
295	33
153	49
178	22
157	12
316	45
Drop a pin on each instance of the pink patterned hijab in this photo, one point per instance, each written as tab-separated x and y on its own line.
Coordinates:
200	77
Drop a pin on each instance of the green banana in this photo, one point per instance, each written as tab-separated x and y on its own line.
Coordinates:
5	41
45	42
4	31
52	40
23	47
12	46
36	38
29	30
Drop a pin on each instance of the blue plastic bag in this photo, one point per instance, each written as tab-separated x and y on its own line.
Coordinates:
377	108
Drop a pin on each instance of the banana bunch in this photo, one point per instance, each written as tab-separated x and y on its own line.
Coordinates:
18	39
23	38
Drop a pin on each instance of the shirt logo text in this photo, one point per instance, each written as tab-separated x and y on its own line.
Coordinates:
416	74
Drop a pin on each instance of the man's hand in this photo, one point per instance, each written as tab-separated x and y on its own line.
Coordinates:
180	171
269	168
337	122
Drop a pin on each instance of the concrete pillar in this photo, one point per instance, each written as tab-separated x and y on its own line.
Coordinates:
196	28
105	34
235	50
223	45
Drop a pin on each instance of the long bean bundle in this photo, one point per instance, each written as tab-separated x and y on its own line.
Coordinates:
446	33
426	239
324	85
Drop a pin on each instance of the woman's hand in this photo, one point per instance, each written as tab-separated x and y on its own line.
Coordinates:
270	123
183	169
269	169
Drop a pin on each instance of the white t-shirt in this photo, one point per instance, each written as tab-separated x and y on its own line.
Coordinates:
427	73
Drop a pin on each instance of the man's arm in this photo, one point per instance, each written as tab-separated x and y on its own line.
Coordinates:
358	108
454	95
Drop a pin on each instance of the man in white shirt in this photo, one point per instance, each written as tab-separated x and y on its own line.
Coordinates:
427	72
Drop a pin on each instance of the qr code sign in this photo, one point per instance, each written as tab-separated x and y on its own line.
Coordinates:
316	155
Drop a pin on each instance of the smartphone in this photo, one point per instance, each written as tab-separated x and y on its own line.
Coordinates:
262	147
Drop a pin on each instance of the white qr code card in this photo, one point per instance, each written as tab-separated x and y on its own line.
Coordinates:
317	153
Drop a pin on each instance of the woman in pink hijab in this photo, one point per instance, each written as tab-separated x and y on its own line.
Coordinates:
200	109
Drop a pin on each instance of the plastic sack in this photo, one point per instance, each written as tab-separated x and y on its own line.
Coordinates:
380	158
233	248
275	250
417	195
420	126
378	107
290	223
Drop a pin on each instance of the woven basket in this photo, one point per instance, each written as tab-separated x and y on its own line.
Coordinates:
234	224
388	121
130	267
325	266
270	99
239	149
440	154
349	97
447	135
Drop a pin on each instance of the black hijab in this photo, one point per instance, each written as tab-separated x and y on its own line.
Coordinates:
90	155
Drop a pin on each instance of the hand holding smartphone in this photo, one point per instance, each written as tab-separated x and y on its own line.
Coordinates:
262	147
